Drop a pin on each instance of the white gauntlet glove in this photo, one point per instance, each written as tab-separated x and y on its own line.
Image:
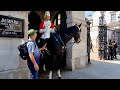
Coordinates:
53	30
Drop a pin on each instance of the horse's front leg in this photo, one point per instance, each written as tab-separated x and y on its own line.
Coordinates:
50	75
44	64
59	58
44	69
59	75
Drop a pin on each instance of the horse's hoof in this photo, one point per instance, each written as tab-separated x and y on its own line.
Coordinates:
89	62
59	77
44	70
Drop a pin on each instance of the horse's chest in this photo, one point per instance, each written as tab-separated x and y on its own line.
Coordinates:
55	42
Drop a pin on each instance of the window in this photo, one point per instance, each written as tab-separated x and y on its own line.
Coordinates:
59	20
113	17
55	22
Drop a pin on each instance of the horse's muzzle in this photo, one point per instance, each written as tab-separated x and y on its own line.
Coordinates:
78	41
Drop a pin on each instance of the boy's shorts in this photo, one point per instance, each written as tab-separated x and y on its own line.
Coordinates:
33	72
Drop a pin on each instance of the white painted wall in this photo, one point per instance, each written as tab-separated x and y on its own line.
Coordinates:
95	18
94	29
97	14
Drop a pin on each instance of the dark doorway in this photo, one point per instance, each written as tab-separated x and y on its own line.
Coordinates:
34	20
34	23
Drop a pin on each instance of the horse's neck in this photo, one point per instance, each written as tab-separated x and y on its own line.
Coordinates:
67	35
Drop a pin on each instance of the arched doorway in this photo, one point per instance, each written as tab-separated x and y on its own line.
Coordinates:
59	21
34	20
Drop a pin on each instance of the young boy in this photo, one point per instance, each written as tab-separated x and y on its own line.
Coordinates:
34	54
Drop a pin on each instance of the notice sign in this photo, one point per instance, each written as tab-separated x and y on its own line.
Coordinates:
11	27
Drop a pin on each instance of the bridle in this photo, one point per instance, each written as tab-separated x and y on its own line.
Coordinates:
71	43
68	36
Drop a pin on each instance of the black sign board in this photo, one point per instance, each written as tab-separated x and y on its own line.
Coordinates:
11	27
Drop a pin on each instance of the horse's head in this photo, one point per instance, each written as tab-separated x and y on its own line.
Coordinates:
77	35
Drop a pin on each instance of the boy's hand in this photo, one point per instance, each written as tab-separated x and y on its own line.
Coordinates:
44	46
36	67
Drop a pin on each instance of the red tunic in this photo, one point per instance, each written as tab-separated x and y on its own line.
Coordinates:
46	25
42	25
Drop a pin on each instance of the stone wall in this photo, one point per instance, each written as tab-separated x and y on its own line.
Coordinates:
11	66
77	54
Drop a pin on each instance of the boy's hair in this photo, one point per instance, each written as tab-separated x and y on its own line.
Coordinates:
31	32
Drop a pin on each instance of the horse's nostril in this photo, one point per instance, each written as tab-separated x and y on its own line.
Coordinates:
79	41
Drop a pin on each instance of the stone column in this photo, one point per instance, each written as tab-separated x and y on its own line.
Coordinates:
11	65
77	54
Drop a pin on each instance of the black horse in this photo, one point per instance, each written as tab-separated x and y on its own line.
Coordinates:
57	46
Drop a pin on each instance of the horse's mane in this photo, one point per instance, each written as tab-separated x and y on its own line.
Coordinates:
68	30
67	33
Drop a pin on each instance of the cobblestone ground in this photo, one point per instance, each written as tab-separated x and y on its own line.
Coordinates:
98	69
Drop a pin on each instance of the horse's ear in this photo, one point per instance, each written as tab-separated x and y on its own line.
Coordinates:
80	25
76	24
